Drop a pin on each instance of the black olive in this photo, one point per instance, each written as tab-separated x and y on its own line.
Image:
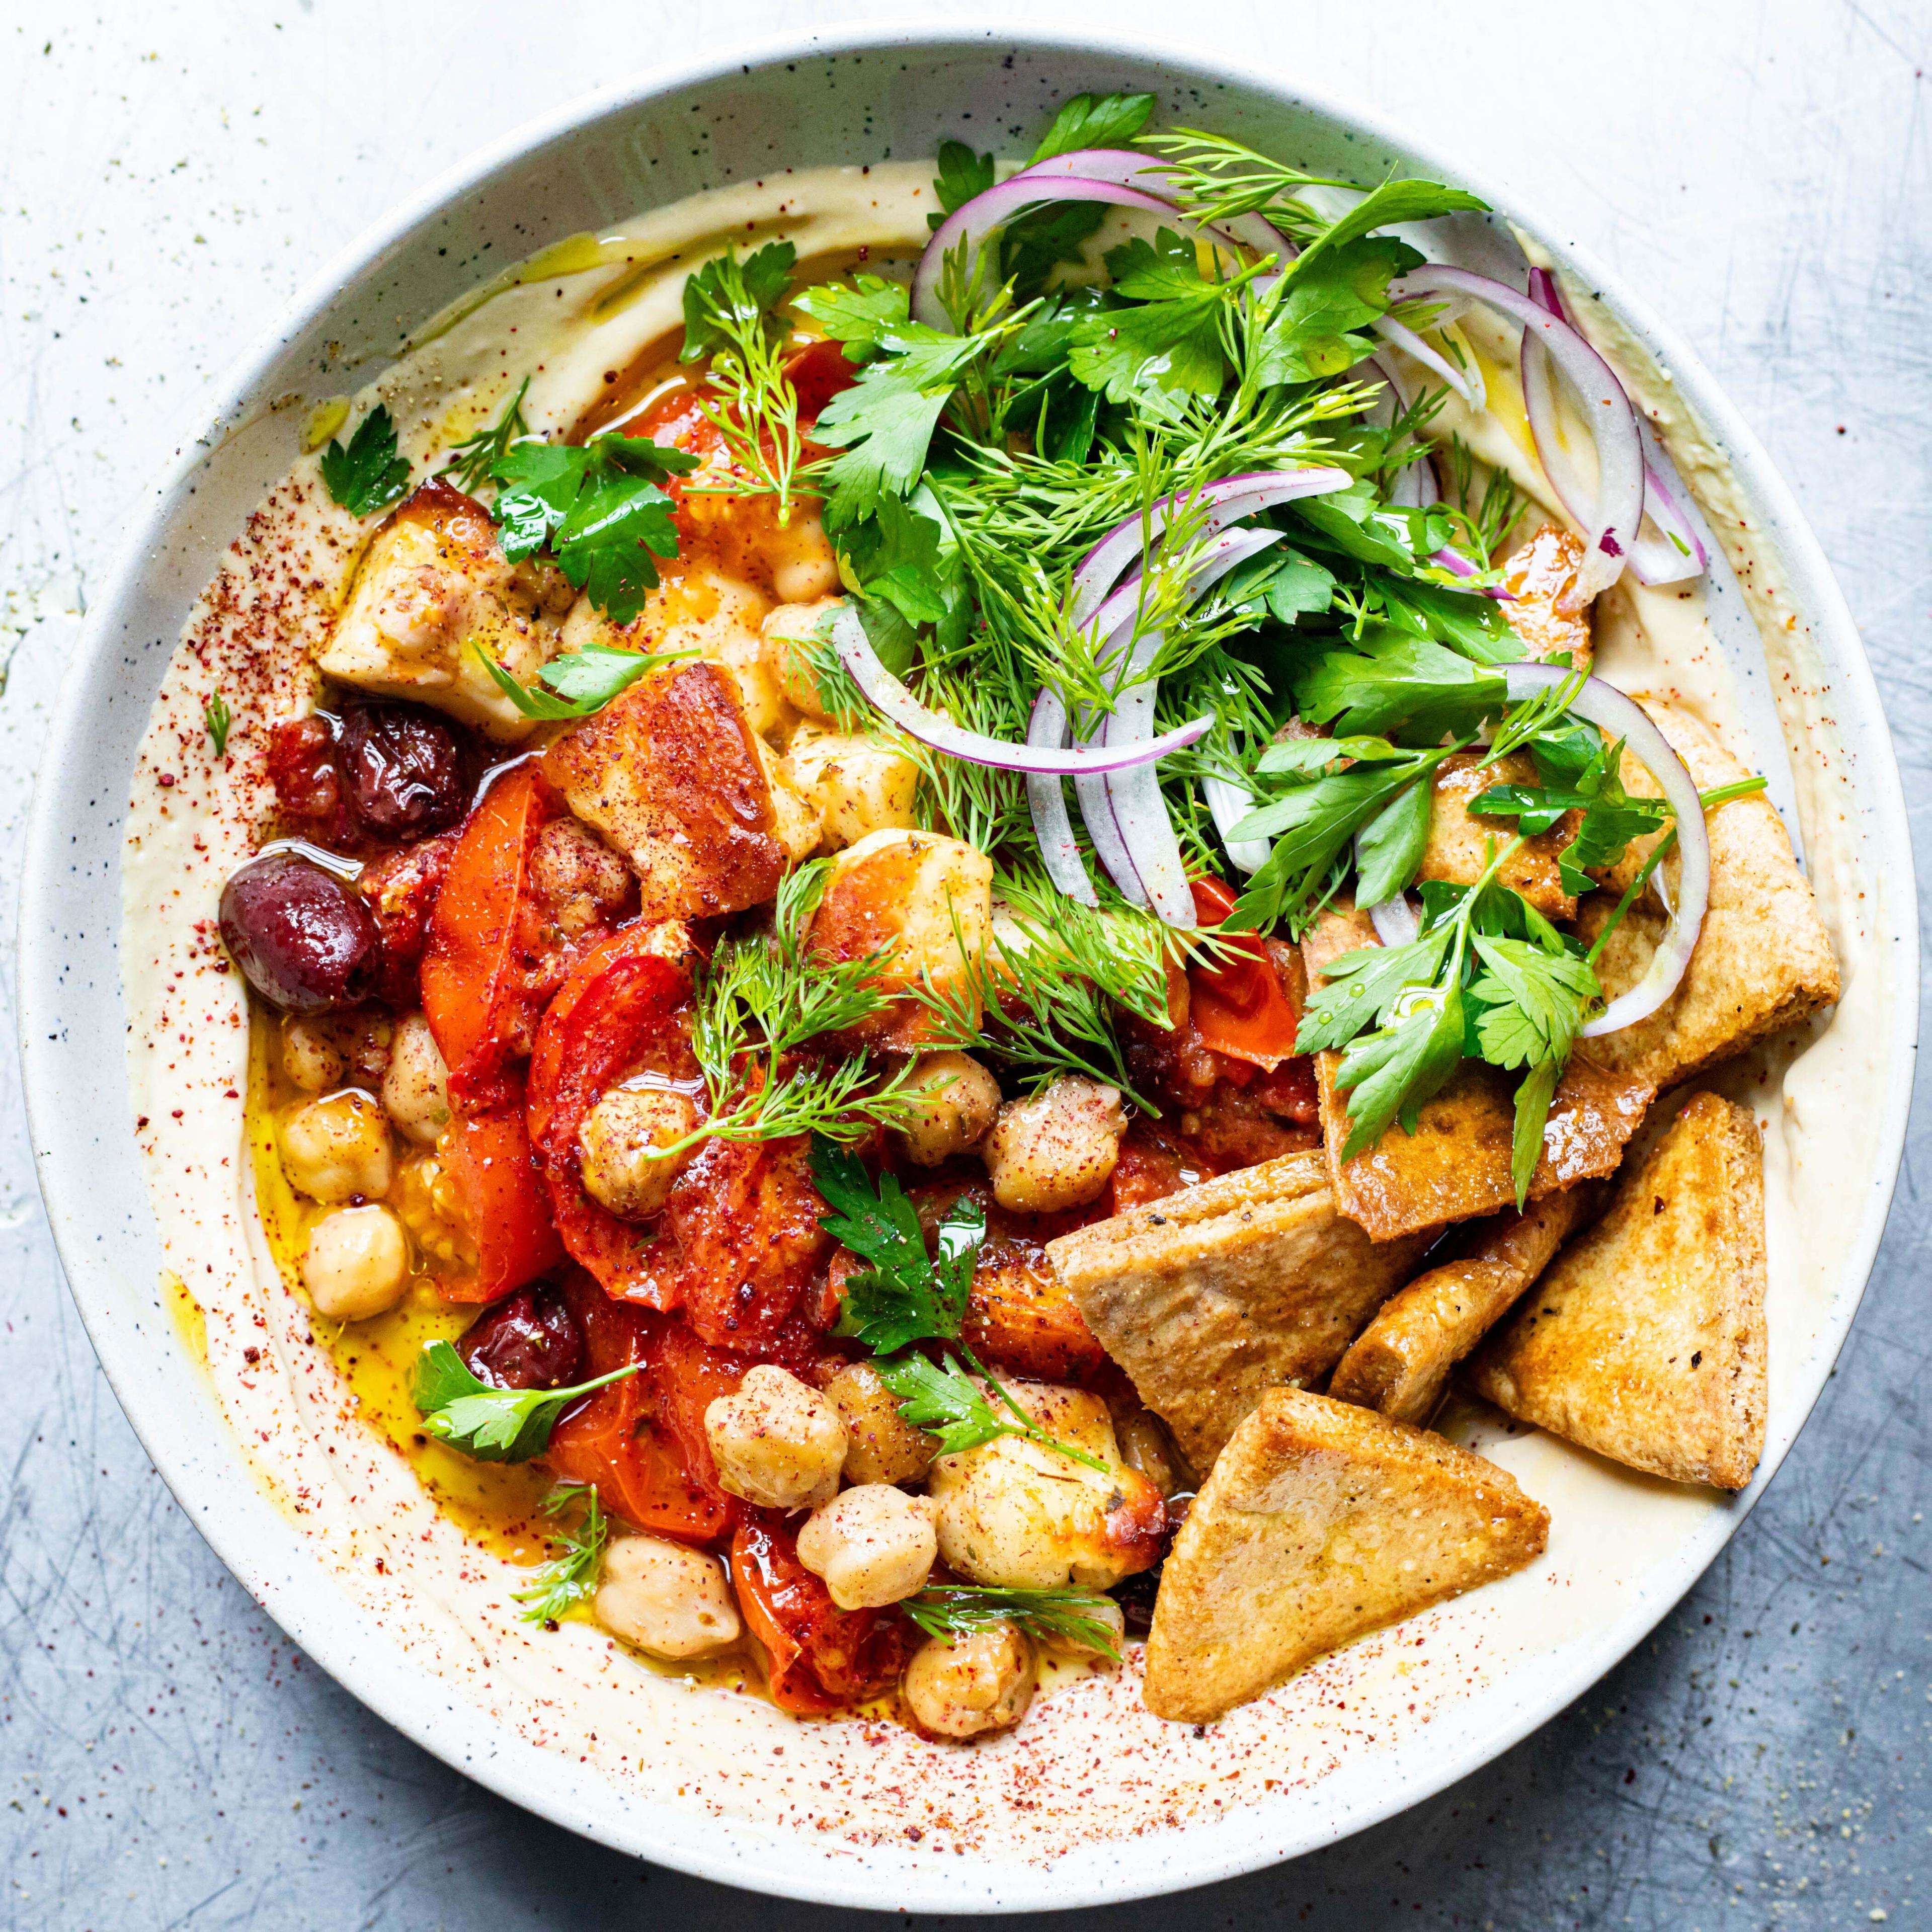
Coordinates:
305	941
530	1340
403	767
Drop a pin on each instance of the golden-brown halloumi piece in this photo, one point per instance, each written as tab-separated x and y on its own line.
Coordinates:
1399	1363
1543	608
674	777
1320	1522
1455	1166
925	901
1762	961
1645	1339
432	590
1460	843
1209	1297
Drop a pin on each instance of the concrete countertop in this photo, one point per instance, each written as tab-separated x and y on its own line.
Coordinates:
169	173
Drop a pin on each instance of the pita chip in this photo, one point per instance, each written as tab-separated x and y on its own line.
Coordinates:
1320	1522
1645	1339
1762	961
1399	1364
1455	1166
1210	1296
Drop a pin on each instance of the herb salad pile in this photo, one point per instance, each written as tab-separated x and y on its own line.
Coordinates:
964	475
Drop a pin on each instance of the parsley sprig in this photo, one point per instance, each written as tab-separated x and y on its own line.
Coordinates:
905	1298
569	1578
492	1425
368	476
599	509
1489	977
578	682
958	1609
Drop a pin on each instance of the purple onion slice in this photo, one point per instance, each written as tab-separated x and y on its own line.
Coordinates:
1611	711
1046	799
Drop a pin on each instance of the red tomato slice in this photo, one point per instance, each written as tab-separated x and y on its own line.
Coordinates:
1235	1002
505	1211
739	1240
478	963
823	1658
817	374
642	1471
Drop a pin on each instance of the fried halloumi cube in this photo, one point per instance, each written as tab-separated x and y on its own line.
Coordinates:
925	903
1460	843
1645	1340
1455	1166
1762	961
1543	608
1399	1363
674	777
1322	1522
1209	1297
432	591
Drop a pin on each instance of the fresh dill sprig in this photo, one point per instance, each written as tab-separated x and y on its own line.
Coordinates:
958	1609
1215	179
217	716
731	316
569	1578
473	461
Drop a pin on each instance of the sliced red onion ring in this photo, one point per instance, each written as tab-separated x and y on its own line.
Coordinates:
1394	921
1046	799
1227	804
1607	707
1225	502
1468	383
1670	551
918	721
1619	506
1126	815
1122	165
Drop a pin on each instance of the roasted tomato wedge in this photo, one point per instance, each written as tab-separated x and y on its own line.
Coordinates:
618	1439
737	1240
505	1208
817	374
823	1658
1237	1002
480	983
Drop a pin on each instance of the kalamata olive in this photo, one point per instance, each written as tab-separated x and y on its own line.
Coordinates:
404	769
530	1340
304	940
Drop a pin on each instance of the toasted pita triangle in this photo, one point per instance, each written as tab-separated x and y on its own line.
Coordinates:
1645	1340
1321	1522
1215	1293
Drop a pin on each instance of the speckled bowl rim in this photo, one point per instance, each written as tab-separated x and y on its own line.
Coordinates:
67	976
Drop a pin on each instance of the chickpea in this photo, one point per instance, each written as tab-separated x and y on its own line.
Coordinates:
775	1441
880	1445
962	1686
669	1601
617	1147
356	1264
873	1545
806	566
1057	1150
784	630
1070	1649
310	1057
955	1101
855	785
577	878
1146	1446
416	1089
338	1149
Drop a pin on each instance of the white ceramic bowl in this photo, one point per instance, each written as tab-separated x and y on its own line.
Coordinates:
842	97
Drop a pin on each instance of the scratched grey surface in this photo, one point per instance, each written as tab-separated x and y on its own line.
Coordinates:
169	173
